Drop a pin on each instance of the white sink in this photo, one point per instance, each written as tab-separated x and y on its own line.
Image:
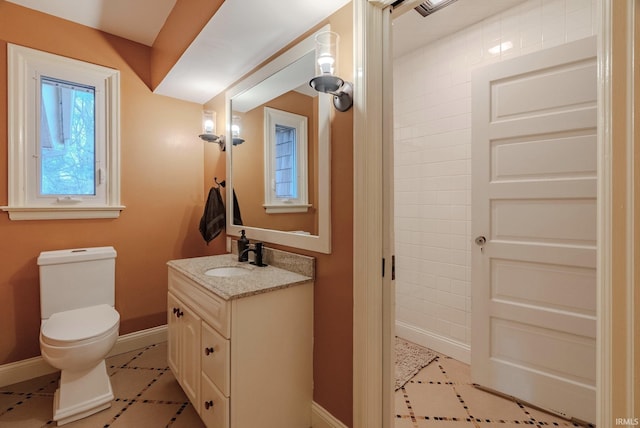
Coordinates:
226	271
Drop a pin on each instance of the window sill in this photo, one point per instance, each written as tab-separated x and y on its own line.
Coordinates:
288	208
67	213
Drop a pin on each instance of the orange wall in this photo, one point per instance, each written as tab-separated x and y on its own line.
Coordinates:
162	175
333	292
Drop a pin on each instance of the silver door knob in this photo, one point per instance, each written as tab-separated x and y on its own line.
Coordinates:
481	240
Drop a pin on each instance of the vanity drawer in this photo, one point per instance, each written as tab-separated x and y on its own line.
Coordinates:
215	358
212	309
214	406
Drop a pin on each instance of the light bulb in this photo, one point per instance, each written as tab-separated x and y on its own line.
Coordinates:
325	63
208	126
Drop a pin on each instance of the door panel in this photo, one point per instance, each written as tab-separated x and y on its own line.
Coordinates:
534	202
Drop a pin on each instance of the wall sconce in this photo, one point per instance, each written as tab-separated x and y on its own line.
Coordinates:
209	129
235	130
326	81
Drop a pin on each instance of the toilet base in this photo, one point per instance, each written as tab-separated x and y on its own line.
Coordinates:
82	393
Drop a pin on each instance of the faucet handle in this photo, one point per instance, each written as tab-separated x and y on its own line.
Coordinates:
258	250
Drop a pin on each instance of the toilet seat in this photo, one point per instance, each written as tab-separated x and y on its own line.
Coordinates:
79	325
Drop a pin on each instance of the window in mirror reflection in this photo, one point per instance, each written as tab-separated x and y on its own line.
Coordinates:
285	184
285	162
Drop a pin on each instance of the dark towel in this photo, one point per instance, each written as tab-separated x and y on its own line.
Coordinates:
237	218
213	218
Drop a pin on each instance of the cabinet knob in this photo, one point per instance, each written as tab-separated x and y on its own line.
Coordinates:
175	310
208	404
209	351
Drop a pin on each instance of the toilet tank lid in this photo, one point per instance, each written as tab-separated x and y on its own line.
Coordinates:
76	255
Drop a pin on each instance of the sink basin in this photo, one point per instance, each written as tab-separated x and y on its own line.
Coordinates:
226	271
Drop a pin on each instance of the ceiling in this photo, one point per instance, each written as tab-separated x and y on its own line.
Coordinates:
411	30
234	41
138	20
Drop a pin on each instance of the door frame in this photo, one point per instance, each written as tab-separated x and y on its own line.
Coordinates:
372	312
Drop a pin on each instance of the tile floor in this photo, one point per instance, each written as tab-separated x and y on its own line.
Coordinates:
147	395
441	395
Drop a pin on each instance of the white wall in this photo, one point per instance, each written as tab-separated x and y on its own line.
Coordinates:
432	108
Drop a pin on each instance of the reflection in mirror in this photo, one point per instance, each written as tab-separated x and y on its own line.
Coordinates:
280	173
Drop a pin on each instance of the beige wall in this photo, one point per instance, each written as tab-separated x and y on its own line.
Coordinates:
333	293
162	175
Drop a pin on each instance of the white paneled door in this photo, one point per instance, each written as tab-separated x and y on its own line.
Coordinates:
534	225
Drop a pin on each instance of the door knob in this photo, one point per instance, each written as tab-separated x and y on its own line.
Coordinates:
481	240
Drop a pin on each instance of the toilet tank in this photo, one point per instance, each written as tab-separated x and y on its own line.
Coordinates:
76	278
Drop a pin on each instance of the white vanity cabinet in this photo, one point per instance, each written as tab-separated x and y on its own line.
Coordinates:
246	361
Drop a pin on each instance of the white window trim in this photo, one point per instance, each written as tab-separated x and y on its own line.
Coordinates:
21	62
273	205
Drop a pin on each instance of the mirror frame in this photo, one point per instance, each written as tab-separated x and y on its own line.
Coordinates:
322	241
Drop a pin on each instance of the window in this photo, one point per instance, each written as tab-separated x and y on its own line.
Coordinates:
63	138
285	162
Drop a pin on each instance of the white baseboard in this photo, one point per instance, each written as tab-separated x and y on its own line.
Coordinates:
36	366
139	339
441	344
321	418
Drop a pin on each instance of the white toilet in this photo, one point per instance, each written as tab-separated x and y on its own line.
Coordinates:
79	327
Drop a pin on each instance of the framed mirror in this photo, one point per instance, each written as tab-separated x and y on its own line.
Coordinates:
278	165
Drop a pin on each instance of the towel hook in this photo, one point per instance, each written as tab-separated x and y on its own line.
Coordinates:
219	183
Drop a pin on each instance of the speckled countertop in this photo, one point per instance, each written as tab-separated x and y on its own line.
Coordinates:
257	280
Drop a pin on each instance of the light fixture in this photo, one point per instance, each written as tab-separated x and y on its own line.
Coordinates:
326	81
430	6
209	129
235	130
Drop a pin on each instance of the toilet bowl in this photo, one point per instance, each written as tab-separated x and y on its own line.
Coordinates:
77	342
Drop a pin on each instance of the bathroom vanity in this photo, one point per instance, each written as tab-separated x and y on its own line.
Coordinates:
241	338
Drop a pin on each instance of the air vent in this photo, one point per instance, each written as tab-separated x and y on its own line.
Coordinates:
431	6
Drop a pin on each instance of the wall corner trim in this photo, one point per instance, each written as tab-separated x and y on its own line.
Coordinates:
34	367
321	418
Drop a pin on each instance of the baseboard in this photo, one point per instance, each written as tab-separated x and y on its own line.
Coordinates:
36	366
321	418
436	342
139	339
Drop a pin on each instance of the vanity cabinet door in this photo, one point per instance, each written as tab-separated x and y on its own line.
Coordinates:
190	353
184	347
173	326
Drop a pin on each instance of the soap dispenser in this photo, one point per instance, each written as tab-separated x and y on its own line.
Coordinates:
243	244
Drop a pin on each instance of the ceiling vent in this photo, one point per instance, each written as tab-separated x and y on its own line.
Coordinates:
431	6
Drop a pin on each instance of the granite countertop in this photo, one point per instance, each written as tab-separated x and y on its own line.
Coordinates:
257	280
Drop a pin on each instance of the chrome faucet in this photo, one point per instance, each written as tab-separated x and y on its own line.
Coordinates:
257	250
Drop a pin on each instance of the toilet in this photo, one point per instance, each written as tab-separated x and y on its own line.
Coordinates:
79	327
